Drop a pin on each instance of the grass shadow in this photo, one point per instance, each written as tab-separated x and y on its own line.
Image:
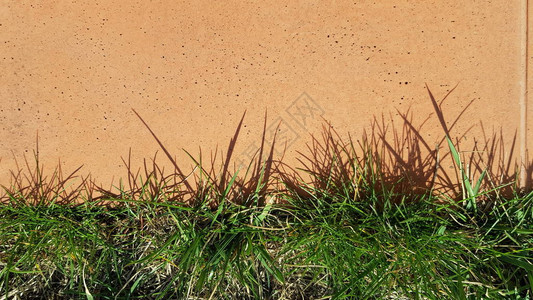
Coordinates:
395	160
392	161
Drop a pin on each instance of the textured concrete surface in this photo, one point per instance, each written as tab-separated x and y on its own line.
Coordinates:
73	70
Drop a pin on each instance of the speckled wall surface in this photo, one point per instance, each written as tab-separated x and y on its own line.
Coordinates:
73	70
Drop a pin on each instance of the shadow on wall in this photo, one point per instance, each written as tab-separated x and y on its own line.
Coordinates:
395	160
392	160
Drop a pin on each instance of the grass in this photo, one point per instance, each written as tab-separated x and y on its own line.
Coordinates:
324	246
355	229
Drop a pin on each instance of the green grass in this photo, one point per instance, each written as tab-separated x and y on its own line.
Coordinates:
323	246
359	226
349	238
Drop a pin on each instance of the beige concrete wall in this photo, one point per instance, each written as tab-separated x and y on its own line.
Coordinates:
73	70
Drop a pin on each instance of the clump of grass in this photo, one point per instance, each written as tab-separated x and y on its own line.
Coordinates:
311	249
355	229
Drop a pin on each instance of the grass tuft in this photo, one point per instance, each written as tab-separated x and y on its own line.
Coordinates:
360	219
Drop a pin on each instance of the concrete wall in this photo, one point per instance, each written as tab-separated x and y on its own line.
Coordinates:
73	70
